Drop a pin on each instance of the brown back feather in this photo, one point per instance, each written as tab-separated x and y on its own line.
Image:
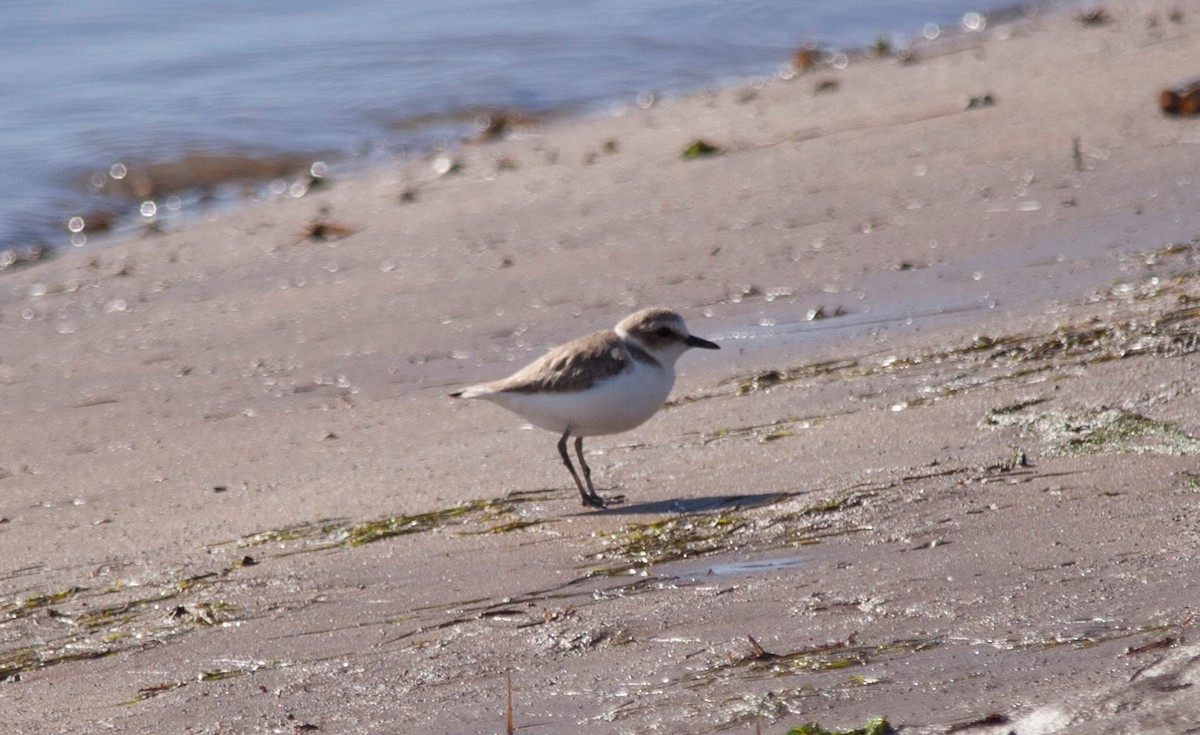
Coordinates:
576	365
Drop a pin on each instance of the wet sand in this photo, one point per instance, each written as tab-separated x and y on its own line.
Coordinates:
943	469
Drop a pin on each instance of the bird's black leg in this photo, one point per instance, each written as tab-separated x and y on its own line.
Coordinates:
589	495
587	476
587	472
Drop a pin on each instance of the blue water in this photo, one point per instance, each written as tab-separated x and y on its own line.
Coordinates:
89	84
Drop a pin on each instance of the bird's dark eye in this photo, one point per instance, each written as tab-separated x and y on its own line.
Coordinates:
664	332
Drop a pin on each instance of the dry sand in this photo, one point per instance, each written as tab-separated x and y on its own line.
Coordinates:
235	498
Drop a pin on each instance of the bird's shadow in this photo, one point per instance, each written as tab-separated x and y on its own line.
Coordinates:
705	504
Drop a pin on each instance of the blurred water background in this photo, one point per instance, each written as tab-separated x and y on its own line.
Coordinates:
90	86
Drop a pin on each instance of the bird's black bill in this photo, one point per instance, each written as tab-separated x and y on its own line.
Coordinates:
694	341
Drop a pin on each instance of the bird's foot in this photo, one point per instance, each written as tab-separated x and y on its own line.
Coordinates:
594	500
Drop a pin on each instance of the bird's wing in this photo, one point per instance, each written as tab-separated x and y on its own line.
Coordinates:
576	365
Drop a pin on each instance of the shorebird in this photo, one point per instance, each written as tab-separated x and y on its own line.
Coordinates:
602	383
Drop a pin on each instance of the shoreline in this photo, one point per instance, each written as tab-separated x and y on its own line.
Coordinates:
943	470
201	184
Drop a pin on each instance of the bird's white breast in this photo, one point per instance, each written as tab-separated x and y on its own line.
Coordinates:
615	404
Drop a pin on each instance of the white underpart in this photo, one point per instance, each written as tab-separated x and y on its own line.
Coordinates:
612	405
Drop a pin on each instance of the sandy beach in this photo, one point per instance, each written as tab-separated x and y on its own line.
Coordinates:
943	469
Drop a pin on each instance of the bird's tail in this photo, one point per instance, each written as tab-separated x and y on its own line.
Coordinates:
473	391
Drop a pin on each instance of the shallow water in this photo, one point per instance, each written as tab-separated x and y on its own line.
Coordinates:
91	84
749	566
1060	262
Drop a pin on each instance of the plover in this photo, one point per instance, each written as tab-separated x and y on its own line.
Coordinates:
603	383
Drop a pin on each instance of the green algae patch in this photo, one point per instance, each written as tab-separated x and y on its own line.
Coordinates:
496	515
767	379
820	659
873	726
37	601
636	547
86	632
95	622
1097	431
829	657
700	148
90	623
641	545
819	519
357	534
1156	635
